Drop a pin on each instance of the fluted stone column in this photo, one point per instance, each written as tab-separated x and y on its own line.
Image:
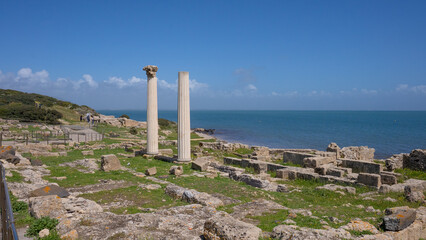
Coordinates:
152	110
184	126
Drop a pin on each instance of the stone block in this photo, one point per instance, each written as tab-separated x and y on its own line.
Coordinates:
282	188
272	167
253	181
335	172
151	171
388	179
166	151
398	218
414	193
232	161
313	162
283	173
110	162
200	164
369	179
362	166
321	170
260	167
307	175
295	157
357	153
246	163
49	190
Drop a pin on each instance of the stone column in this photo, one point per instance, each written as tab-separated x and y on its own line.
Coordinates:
152	110
184	129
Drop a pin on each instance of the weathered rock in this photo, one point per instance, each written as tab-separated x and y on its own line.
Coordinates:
151	171
313	162
50	206
110	162
395	162
253	181
150	186
285	232
414	193
87	165
362	166
44	233
333	187
333	147
360	226
88	153
398	218
36	162
176	170
357	153
416	160
282	188
71	235
50	190
166	151
200	163
260	167
388	178
226	227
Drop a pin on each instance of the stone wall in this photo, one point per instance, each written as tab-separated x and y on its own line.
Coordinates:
416	160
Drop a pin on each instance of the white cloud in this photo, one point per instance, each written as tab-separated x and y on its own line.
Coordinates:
26	74
195	86
87	79
122	83
251	87
407	88
366	91
164	84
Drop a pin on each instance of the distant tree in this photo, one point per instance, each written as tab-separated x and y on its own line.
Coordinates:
125	116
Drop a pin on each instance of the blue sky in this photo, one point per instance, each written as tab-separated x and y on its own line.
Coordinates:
291	55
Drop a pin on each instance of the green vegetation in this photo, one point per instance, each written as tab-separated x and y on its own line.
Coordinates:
360	233
133	131
125	116
20	212
31	107
408	173
39	224
16	177
166	124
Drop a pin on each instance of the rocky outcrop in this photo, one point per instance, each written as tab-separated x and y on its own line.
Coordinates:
192	196
357	153
110	163
284	232
395	162
416	160
223	226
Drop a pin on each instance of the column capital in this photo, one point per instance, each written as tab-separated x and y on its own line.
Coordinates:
151	70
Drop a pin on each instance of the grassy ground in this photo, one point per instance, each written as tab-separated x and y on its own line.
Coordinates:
408	173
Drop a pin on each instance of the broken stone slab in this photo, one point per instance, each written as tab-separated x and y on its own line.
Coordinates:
398	218
49	190
43	206
369	179
88	153
359	166
313	162
253	181
360	226
166	151
335	172
357	153
200	164
223	226
151	171
260	167
165	158
176	170
110	162
296	232
296	157
333	187
192	196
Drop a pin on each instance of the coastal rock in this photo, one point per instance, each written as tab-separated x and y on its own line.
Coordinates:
416	160
223	226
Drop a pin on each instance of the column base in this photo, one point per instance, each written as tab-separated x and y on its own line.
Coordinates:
152	153
184	160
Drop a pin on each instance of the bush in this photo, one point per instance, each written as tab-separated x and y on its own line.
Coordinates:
133	131
29	113
40	224
165	124
125	116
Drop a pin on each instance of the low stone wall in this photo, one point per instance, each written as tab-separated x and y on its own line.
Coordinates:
362	166
295	157
416	160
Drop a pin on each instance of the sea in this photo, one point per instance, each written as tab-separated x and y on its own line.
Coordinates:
389	132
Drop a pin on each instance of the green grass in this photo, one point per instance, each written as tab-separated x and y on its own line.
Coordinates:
16	177
360	233
139	198
408	173
20	212
243	151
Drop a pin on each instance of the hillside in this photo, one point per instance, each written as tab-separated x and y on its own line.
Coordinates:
32	107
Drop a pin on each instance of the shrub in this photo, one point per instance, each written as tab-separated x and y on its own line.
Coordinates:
40	224
133	131
125	116
29	113
164	123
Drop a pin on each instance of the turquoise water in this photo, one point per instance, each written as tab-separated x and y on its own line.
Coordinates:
389	132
